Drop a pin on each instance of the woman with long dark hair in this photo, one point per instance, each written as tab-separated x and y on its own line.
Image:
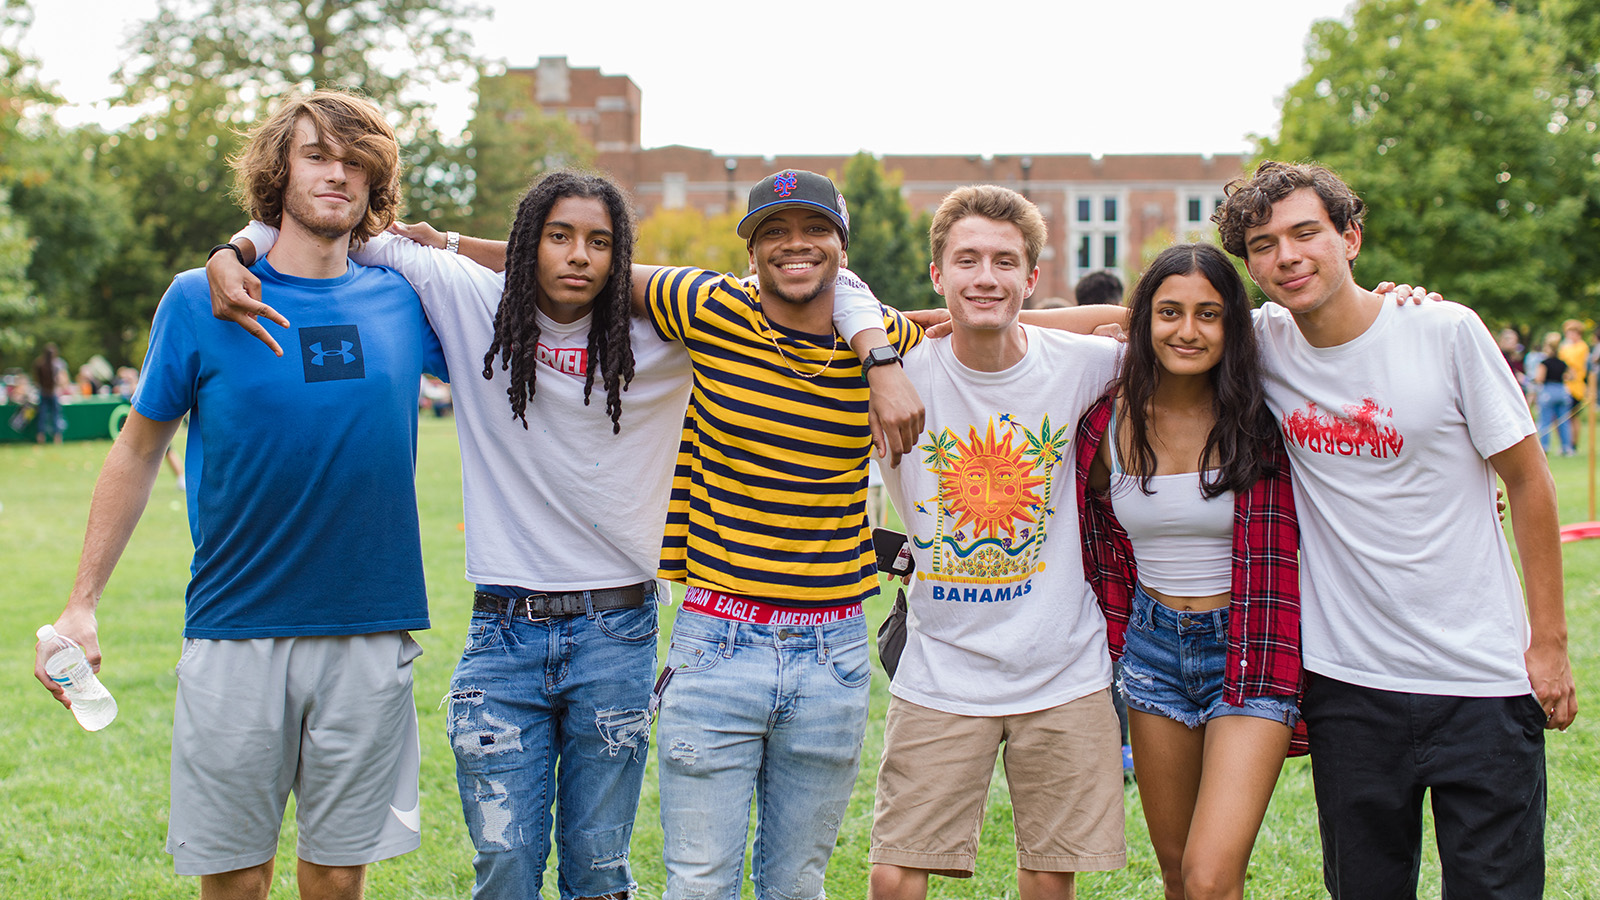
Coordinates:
1191	544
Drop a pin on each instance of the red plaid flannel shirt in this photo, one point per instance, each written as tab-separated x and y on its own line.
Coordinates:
1264	615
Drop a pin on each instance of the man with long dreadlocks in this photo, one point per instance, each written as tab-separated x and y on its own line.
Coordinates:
564	512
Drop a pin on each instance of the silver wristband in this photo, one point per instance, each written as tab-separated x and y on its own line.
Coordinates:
452	241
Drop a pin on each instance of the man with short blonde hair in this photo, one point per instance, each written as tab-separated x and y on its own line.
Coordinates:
1006	645
989	202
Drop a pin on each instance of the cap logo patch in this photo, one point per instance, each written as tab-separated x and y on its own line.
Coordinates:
785	184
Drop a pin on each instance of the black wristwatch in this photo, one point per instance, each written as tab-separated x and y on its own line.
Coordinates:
879	356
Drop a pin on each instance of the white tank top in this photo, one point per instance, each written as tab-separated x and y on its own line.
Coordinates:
1183	543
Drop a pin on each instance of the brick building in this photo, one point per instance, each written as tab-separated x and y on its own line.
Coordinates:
1102	210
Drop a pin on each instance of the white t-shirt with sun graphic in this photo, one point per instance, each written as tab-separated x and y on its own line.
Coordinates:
1002	620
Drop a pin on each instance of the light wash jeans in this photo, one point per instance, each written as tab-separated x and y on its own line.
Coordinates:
526	693
1555	406
777	712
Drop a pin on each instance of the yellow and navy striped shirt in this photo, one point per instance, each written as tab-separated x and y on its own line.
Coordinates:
769	495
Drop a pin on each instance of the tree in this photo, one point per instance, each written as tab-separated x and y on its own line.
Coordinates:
1446	116
510	143
216	65
208	68
1573	27
74	212
236	54
888	248
62	220
21	91
172	166
18	306
687	237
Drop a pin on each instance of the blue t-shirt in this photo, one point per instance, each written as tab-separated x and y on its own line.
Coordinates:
301	470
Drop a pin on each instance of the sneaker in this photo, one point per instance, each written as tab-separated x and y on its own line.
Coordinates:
1127	765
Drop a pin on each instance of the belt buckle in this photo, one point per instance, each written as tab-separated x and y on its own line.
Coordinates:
528	607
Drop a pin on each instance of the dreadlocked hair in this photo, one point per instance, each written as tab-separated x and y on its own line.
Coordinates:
1236	452
516	325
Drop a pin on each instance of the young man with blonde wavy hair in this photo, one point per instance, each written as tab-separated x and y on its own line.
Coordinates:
295	674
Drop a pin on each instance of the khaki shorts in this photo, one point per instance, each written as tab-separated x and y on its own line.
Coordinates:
1063	766
329	718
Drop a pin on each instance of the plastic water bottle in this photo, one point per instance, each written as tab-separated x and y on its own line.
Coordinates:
67	666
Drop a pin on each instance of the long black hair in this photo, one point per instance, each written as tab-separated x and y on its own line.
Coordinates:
516	327
1235	455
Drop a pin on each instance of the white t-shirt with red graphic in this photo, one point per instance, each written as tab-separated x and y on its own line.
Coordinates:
1407	582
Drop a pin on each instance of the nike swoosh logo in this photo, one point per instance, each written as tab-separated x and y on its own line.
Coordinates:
410	818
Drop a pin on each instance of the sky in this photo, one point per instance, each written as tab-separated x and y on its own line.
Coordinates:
937	77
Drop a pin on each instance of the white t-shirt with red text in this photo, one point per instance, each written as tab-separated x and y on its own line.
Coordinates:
1407	582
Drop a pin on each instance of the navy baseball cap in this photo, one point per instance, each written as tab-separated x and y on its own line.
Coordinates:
791	188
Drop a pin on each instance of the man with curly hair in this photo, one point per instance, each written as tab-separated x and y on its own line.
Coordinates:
295	675
1427	674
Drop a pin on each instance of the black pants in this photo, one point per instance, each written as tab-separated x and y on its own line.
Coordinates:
1373	755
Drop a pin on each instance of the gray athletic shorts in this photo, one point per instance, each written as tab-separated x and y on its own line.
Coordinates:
330	718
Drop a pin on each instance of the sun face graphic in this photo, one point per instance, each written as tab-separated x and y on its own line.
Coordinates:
988	485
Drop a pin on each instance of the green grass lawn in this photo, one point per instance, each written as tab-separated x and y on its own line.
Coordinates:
84	815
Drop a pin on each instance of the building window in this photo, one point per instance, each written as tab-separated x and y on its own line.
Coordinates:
1195	208
1095	231
674	190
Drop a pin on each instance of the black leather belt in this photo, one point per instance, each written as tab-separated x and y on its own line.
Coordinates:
551	606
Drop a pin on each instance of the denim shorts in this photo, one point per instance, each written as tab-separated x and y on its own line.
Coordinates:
1172	666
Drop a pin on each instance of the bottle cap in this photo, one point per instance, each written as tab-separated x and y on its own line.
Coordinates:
45	633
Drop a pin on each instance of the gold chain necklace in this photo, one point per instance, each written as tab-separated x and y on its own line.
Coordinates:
785	357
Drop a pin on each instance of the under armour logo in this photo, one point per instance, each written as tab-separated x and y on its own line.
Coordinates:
344	354
785	184
331	353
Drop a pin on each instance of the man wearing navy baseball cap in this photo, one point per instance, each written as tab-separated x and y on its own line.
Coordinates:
793	188
765	692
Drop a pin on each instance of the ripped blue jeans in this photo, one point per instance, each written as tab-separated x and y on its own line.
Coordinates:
527	693
1172	664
